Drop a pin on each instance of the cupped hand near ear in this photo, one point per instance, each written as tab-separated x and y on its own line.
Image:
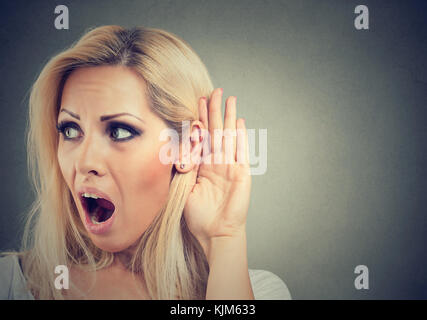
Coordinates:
218	203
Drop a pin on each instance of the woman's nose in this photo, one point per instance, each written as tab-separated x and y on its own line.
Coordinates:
91	157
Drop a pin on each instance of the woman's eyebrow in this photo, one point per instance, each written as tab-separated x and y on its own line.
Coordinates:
103	118
70	113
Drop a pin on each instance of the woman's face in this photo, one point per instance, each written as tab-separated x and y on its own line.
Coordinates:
115	158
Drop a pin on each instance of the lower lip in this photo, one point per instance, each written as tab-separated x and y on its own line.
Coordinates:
100	228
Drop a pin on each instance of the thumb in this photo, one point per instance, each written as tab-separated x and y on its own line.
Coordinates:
194	173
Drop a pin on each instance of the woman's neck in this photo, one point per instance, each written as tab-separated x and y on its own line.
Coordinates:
123	259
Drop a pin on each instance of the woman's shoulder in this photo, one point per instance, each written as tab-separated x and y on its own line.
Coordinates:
6	275
12	280
268	286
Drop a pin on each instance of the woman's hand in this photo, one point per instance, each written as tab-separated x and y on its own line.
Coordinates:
217	206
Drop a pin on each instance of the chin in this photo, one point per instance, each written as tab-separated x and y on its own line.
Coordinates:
108	244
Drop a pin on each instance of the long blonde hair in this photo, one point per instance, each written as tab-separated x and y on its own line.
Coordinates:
170	259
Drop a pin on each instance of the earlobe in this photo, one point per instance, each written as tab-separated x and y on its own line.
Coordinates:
183	168
180	166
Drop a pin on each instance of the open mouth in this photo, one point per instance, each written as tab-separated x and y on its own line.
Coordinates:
99	209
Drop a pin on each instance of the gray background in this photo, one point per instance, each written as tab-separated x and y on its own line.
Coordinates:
345	112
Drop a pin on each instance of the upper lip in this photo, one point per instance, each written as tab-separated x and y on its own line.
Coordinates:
93	191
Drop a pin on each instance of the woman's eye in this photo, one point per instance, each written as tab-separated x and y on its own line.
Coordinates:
118	133
70	133
121	132
69	130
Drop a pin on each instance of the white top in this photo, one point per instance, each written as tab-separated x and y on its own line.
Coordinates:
265	285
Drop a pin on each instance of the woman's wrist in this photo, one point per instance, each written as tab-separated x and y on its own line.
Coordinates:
228	264
219	245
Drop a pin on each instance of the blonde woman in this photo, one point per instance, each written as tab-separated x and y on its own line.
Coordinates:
125	224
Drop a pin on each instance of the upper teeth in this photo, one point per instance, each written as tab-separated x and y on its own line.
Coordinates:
90	195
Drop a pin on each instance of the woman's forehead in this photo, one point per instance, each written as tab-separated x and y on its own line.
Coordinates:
115	88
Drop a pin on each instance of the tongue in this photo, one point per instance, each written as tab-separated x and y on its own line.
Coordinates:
105	204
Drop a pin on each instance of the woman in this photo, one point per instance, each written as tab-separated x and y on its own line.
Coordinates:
126	223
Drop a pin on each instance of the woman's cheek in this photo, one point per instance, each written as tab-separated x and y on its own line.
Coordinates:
151	180
65	165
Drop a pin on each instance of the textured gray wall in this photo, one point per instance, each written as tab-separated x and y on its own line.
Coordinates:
345	112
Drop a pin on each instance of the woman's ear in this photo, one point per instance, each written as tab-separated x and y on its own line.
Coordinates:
190	152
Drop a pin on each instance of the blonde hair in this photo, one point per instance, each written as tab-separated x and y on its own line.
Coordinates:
168	256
